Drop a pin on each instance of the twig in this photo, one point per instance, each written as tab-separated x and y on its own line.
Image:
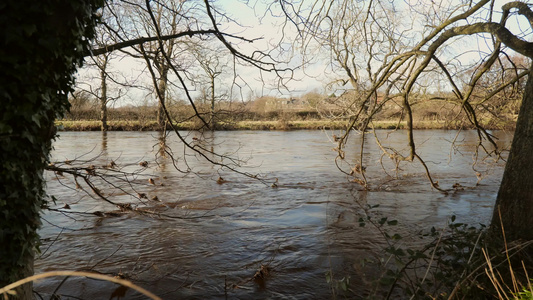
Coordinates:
8	289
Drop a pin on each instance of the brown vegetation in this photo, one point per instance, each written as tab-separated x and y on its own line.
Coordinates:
311	111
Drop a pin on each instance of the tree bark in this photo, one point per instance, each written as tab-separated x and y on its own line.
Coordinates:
162	86
515	197
103	96
212	120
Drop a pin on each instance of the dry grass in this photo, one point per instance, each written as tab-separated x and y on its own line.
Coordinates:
509	287
113	125
65	125
9	289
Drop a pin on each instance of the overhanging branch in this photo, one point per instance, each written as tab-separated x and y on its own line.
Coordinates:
499	31
142	40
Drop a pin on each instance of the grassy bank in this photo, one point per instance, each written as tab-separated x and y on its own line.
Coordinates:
240	125
84	125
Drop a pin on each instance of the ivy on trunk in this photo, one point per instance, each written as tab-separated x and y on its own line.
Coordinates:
43	42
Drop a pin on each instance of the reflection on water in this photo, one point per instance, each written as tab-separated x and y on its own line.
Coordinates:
104	142
302	229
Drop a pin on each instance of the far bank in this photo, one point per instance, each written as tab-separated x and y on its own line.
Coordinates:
136	125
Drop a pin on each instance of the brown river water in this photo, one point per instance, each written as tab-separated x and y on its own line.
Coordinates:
216	237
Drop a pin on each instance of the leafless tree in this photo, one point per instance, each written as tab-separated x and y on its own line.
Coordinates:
212	64
398	73
161	33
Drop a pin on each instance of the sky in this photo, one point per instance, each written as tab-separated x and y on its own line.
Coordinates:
253	23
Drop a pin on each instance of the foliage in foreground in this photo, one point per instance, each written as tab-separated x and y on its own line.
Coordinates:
460	261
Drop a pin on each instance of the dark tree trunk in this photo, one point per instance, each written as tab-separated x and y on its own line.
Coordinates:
212	120
40	55
515	197
103	96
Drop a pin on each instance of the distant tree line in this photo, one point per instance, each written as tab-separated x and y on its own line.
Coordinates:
498	113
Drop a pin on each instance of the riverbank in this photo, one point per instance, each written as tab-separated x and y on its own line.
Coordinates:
85	125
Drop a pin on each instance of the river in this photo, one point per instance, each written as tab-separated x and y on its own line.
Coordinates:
217	235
